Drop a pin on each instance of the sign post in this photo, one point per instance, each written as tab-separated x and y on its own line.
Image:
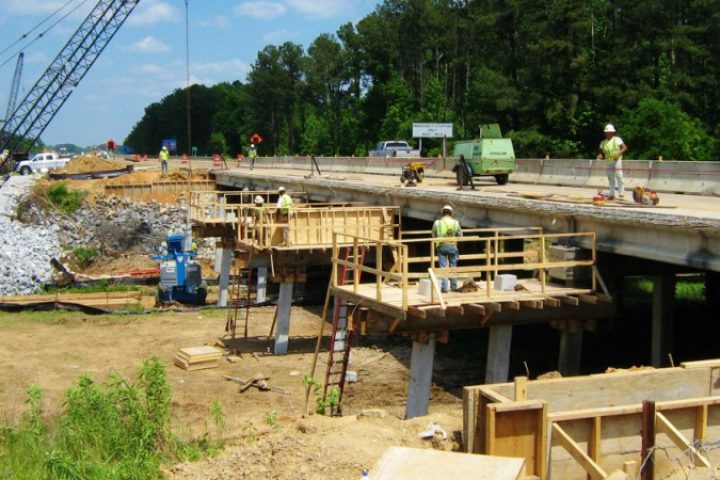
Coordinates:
433	130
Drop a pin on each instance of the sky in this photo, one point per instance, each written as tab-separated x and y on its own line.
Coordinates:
145	61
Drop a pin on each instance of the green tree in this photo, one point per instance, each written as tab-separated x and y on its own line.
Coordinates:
658	127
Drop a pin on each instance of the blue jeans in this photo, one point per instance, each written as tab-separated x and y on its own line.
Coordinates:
615	178
447	254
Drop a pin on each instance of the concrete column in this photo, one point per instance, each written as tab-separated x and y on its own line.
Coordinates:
225	264
498	355
282	326
261	285
712	291
421	368
570	352
663	321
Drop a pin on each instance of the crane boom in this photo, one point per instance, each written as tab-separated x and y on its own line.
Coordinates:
15	86
47	96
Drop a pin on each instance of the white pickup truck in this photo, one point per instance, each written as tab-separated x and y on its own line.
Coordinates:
394	148
40	162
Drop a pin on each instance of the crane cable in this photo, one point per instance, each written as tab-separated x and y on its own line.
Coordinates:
41	34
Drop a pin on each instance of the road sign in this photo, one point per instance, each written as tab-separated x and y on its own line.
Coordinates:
432	130
256	138
170	143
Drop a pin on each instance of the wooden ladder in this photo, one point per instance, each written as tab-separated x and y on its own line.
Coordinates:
341	339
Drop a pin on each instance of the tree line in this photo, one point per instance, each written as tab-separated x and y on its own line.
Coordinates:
550	72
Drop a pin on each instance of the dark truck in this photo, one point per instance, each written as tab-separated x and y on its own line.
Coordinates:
490	155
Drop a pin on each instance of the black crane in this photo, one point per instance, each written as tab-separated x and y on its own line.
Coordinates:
15	86
34	113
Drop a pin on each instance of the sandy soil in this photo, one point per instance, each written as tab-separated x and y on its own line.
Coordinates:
54	353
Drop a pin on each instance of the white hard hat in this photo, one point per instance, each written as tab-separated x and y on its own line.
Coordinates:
447	208
252	145
281	189
609	128
259	199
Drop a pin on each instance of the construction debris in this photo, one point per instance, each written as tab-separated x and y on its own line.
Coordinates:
468	286
198	358
258	381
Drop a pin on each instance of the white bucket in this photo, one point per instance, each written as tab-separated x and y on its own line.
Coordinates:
424	287
505	282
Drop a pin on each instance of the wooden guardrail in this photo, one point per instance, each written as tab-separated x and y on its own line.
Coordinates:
483	254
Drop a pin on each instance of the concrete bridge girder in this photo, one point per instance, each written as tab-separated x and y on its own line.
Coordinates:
659	236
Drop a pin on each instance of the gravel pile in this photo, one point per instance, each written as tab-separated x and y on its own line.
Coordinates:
112	226
27	249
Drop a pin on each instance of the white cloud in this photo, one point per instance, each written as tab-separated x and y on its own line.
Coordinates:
279	36
320	8
148	45
260	9
150	12
215	21
228	69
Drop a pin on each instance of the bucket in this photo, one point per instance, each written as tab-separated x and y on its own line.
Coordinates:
424	287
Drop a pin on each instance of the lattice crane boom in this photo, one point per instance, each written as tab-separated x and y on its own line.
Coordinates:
47	96
15	86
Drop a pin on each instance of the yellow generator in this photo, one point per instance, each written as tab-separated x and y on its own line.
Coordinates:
412	174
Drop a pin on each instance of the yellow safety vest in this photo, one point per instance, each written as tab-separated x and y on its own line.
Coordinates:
447	227
286	203
610	148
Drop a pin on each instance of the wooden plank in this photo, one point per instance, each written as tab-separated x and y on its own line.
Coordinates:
471	396
403	463
455	310
416	312
701	423
662	424
559	435
493	307
595	440
512	305
521	393
474	309
532	304
436	286
553	302
588	298
569	300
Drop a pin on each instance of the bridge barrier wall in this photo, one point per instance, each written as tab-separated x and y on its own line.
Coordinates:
685	177
663	176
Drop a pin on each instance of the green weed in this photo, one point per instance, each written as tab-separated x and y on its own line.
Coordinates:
85	256
116	431
65	200
271	418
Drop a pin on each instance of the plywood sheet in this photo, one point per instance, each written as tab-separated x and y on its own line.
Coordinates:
401	463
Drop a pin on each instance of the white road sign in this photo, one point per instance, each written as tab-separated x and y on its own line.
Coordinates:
432	130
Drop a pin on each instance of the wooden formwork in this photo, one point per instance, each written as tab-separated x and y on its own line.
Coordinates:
106	300
312	226
589	426
483	256
138	191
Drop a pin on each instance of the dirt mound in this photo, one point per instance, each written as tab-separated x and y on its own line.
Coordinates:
90	163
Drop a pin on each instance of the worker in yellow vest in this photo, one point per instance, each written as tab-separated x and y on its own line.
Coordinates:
284	210
612	150
447	228
164	156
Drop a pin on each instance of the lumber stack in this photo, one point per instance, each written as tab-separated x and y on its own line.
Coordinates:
197	358
107	300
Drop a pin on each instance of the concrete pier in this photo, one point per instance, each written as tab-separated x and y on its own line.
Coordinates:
226	255
282	326
498	354
421	368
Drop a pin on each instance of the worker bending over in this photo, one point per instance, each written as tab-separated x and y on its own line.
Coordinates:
447	251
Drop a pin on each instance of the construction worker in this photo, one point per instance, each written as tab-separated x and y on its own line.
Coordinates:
447	250
259	217
164	156
466	173
612	150
252	155
284	210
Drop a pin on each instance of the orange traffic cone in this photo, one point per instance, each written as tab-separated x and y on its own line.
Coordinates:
184	158
216	160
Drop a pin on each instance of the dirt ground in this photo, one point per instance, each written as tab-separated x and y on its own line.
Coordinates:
53	350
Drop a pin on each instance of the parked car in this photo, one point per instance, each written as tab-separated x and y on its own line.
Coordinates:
394	148
40	162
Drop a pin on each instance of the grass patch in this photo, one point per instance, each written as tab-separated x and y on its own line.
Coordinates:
85	256
688	288
116	431
64	199
44	197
